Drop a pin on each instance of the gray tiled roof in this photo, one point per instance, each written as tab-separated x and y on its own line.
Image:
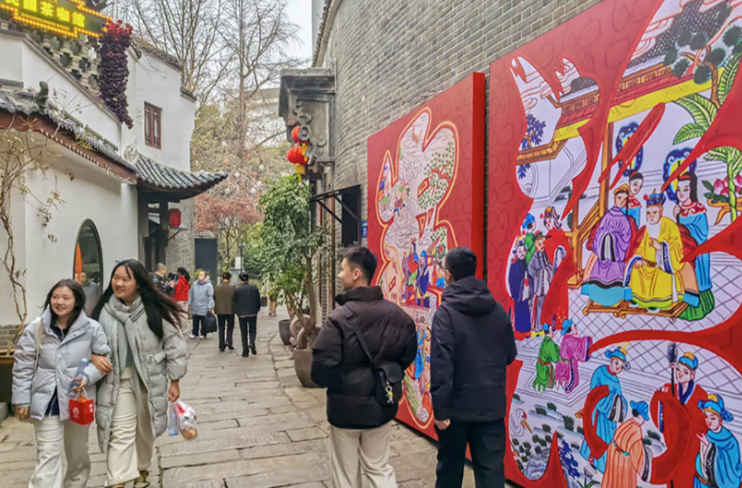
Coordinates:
154	174
15	99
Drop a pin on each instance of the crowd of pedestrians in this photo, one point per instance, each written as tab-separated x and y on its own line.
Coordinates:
130	355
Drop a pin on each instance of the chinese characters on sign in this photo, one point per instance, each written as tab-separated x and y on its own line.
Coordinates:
66	17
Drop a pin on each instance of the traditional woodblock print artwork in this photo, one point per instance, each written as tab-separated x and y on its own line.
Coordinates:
615	175
426	196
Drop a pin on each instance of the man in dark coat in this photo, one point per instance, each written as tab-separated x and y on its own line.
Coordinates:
472	345
246	303
360	426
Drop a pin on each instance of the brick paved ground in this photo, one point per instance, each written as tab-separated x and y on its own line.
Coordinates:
257	429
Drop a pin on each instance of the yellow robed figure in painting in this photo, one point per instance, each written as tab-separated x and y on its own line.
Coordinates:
654	271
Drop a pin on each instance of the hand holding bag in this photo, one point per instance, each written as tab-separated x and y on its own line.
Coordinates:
210	323
82	410
388	377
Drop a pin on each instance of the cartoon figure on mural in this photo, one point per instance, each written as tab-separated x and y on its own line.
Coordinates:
574	350
548	355
610	244
519	283
628	459
529	228
684	388
634	205
557	246
542	272
653	274
718	461
691	214
611	410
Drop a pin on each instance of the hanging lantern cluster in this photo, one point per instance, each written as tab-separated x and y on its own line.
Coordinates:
298	154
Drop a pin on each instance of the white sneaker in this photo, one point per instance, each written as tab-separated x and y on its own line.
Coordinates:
191	336
201	337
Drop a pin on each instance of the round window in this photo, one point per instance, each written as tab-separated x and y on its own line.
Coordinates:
89	264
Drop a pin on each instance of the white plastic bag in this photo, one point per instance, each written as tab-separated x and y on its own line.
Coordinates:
185	416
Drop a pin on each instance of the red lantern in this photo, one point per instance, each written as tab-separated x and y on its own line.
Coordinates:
262	180
254	175
295	133
174	217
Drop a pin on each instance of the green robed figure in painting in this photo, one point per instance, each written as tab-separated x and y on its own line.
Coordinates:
548	355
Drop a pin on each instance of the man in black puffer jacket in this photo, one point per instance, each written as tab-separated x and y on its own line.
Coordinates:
472	345
360	425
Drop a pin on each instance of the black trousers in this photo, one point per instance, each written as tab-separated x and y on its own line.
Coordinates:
252	324
198	323
487	443
225	322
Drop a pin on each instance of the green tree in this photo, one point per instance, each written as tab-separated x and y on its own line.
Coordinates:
290	246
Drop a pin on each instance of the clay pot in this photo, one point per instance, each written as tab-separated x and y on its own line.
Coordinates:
284	329
303	367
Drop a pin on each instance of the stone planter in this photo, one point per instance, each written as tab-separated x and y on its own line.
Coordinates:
303	367
6	378
284	329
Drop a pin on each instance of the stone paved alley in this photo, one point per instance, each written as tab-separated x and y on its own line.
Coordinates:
258	428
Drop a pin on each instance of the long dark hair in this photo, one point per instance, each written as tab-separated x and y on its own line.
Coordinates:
692	179
77	292
157	306
184	272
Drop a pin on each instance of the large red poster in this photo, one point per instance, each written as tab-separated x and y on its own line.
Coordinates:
426	195
615	178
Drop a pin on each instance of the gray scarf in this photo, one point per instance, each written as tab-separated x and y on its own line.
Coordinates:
121	312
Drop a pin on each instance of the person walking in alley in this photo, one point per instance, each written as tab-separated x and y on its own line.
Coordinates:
201	301
159	278
472	345
148	352
223	299
364	340
182	293
246	304
49	348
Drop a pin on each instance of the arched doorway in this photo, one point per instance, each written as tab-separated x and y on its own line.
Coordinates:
88	264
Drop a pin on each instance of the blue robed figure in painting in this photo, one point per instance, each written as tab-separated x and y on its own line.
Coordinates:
692	214
718	461
611	410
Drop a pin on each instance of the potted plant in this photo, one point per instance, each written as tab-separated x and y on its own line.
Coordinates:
291	244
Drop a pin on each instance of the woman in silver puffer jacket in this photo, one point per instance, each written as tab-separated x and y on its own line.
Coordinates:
148	352
47	357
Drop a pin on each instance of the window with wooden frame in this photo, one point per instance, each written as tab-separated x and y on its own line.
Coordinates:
152	126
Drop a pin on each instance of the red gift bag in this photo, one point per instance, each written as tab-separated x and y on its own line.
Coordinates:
82	410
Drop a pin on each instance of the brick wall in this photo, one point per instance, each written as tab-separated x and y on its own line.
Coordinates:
391	56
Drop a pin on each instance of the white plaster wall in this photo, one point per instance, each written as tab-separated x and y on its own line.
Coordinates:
19	61
154	82
109	203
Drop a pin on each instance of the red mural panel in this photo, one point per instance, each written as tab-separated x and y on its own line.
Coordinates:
426	196
614	239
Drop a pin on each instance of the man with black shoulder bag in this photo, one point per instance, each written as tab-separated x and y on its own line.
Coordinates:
360	356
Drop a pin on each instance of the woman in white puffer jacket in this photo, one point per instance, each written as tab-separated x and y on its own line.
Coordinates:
147	361
41	381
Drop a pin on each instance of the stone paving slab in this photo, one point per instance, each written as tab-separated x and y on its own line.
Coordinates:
258	428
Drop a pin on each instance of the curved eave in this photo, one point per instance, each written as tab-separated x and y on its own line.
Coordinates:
64	136
175	194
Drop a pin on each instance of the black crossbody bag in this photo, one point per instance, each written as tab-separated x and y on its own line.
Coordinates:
388	377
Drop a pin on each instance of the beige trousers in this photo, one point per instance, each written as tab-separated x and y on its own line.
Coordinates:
53	438
357	455
132	440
